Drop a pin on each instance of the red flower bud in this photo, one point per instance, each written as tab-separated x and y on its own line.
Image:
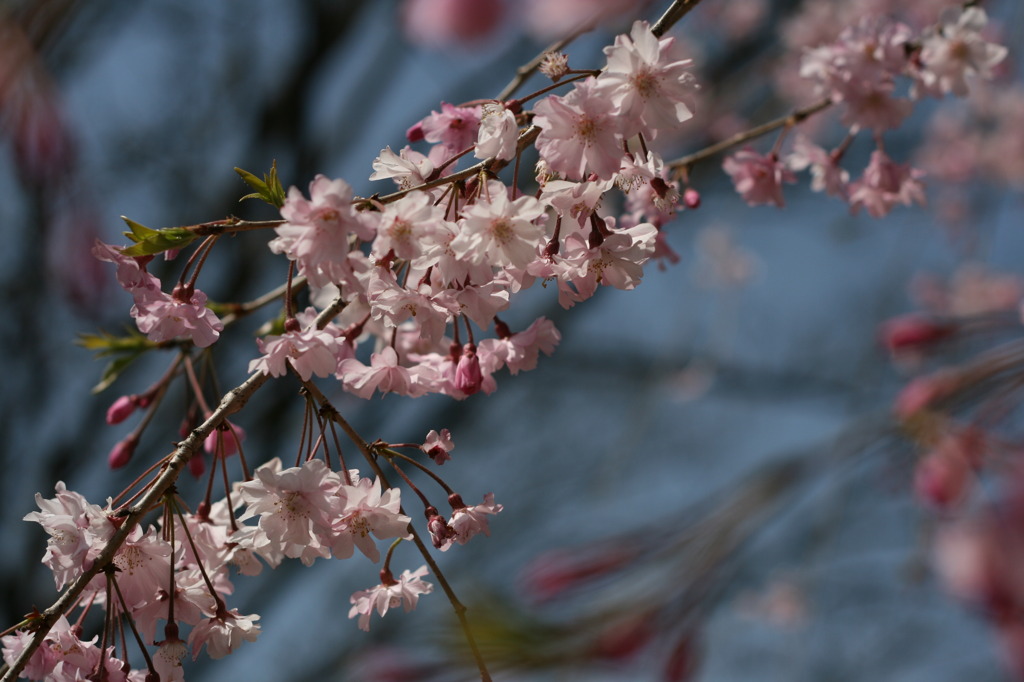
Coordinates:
914	331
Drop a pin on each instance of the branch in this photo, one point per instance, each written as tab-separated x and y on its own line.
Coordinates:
232	402
492	165
676	11
526	70
739	138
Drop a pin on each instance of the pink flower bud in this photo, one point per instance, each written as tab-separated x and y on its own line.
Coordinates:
914	331
415	132
196	465
691	198
224	440
442	23
468	377
440	532
122	452
942	478
121	409
923	392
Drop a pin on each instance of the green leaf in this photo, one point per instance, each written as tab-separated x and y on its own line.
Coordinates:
123	349
149	242
138	231
112	371
269	189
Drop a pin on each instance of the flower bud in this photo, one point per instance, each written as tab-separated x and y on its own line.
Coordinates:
121	409
224	440
415	132
122	452
468	377
923	392
691	198
942	478
914	331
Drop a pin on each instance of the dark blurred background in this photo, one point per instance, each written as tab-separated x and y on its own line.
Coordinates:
727	423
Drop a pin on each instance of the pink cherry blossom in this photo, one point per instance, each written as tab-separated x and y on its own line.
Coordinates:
310	351
407	168
826	174
498	134
223	633
956	50
522	349
78	531
406	226
294	506
885	184
365	511
383	374
122	451
466	522
440	24
319	229
63	656
131	272
454	127
580	132
758	177
390	594
183	313
500	231
468	377
225	439
438	445
647	82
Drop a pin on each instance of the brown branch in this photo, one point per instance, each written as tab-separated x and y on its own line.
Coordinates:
232	402
739	138
676	11
527	70
526	138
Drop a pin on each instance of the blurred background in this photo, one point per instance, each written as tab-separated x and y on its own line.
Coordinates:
703	482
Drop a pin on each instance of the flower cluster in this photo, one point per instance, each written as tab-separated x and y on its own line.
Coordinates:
859	71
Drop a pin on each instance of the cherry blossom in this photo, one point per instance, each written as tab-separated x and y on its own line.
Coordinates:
223	633
885	184
183	313
310	351
454	127
366	510
758	177
580	132
466	522
499	133
499	230
826	174
383	374
318	230
77	529
407	168
956	50
647	82
389	594
63	655
294	506
438	445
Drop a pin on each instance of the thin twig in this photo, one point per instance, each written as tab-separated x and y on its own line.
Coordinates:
676	11
242	309
330	412
527	70
739	138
